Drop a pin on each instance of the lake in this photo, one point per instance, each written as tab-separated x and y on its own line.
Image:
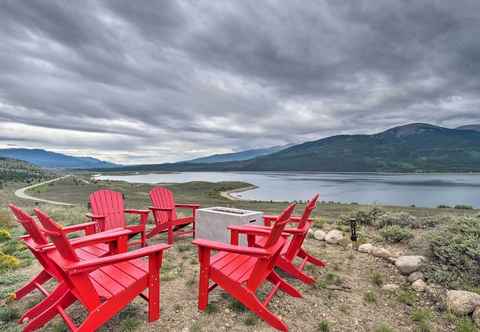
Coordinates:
427	190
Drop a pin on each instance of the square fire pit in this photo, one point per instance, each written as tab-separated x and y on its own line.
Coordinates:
211	223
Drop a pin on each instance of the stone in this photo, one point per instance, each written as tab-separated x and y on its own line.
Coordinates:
419	285
390	287
380	252
415	276
476	316
409	264
462	302
334	236
319	235
366	248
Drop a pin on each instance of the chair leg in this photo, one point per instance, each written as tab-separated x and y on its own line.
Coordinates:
39	279
283	285
31	313
63	302
170	235
292	270
143	239
303	254
251	301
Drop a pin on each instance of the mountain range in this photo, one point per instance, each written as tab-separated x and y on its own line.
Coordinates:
416	147
53	160
237	156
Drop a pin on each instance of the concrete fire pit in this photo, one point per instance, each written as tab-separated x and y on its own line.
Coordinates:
211	223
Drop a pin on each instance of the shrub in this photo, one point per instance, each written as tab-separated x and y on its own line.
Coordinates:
395	234
370	297
8	262
465	325
463	207
383	328
365	217
323	326
5	219
8	314
397	219
443	206
455	253
4	235
377	279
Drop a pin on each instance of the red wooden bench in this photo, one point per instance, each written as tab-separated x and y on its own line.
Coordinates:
293	247
103	285
108	210
240	271
164	212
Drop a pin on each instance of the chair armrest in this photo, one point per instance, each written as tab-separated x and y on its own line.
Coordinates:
97	263
220	246
79	227
251	229
188	206
135	211
94	216
153	208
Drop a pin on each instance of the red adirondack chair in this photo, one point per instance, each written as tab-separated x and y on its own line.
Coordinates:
35	240
164	212
240	271
104	285
109	211
293	247
94	245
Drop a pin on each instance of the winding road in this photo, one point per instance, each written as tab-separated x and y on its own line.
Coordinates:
20	193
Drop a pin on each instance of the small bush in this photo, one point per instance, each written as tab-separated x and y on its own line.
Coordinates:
5	219
463	207
397	219
465	324
377	279
323	326
8	262
420	315
455	253
395	234
365	217
443	206
8	314
4	235
212	308
383	328
407	296
370	297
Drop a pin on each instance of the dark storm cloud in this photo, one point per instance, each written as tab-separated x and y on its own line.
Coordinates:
154	81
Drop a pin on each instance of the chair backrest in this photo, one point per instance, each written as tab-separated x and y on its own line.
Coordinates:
311	205
298	239
80	283
162	198
264	266
109	204
29	224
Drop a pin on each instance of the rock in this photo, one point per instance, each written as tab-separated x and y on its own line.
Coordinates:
419	285
380	252
415	276
366	247
462	302
476	316
390	287
409	264
319	235
334	236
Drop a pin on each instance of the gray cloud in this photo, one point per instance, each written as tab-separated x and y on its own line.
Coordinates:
162	81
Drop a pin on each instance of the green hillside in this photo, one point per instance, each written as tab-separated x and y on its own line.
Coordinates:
410	148
12	170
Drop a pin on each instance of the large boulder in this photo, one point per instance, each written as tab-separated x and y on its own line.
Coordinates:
409	264
334	236
415	276
380	252
319	235
462	302
419	285
366	248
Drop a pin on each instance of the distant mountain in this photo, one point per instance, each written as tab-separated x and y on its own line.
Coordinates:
12	170
414	147
237	156
475	127
48	159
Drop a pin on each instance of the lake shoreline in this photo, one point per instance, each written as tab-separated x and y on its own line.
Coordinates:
228	194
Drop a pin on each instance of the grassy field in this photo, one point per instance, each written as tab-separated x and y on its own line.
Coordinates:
347	296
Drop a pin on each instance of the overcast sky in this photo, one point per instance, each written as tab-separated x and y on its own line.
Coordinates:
156	81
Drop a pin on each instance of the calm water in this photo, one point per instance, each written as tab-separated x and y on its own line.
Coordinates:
428	190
